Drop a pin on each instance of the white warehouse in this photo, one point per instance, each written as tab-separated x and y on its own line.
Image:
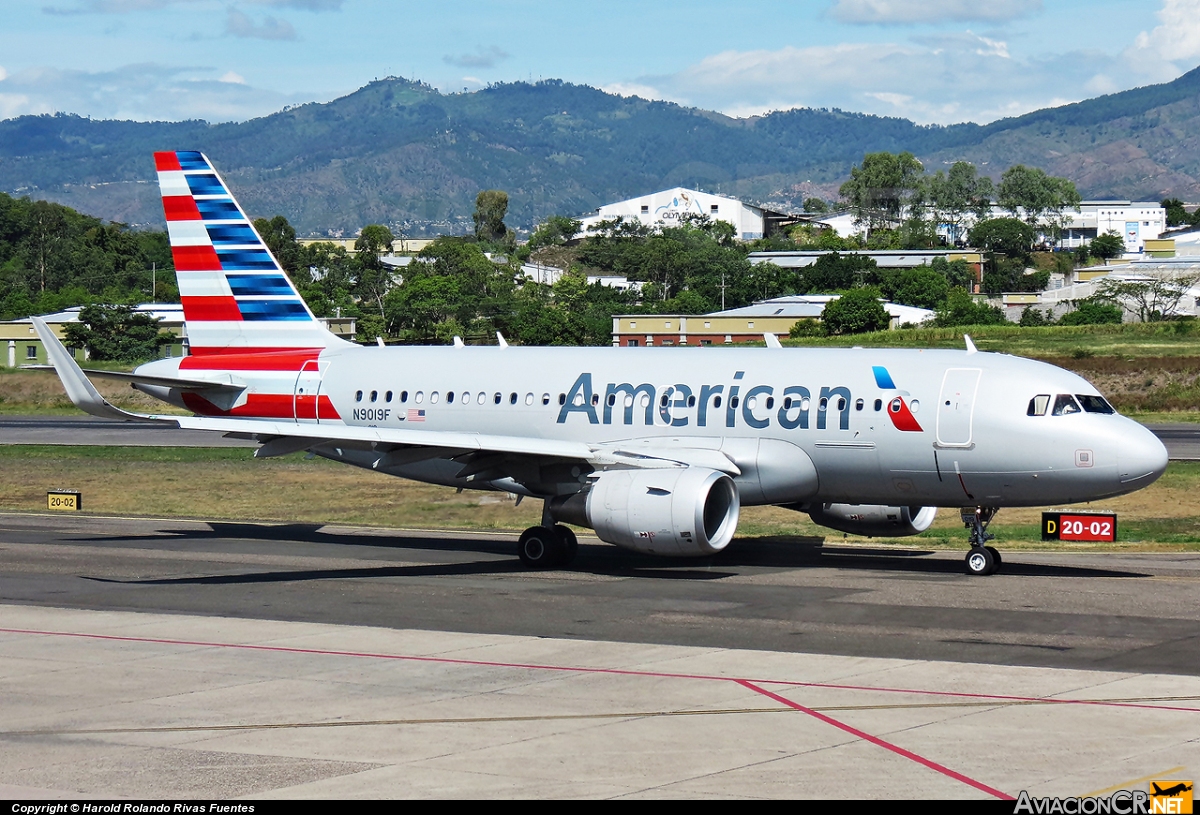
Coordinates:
668	207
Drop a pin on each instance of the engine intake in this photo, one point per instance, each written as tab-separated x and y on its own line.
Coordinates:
681	511
873	520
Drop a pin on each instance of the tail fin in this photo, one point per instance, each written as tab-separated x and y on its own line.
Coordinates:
236	297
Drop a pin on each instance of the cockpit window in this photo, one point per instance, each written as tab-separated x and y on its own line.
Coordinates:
1094	404
1065	405
1038	405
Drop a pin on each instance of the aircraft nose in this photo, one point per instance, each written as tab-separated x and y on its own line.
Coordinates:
1141	456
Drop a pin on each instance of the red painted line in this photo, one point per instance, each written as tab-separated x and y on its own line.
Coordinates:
180	208
166	161
878	742
609	671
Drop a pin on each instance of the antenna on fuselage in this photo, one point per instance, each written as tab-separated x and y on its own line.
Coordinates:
971	349
458	343
771	340
379	342
500	338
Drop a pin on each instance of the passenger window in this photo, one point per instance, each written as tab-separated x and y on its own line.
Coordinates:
403	396
1094	404
433	398
595	398
858	404
1065	405
374	395
358	396
419	397
878	405
481	398
787	403
770	402
512	398
497	398
691	401
1038	405
717	401
449	397
529	399
562	398
545	398
387	397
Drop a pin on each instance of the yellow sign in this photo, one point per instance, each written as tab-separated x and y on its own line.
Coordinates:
1170	797
64	501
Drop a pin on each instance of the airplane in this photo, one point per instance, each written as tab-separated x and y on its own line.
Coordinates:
655	449
1170	792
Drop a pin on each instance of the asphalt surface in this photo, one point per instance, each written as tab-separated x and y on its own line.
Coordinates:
1110	612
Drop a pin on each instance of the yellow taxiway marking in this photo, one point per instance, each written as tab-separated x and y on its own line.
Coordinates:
1124	785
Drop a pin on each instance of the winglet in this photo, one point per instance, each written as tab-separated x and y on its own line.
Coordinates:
771	340
971	349
79	388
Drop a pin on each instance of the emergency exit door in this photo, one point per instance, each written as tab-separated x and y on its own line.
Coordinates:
956	407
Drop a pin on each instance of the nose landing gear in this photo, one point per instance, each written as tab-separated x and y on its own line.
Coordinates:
982	559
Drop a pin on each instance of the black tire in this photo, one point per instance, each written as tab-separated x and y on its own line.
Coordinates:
996	554
980	562
540	548
570	543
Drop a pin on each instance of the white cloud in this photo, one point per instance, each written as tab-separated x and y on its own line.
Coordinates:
1171	47
144	92
931	11
233	77
239	24
953	78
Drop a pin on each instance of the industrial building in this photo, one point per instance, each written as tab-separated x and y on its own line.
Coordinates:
746	324
669	207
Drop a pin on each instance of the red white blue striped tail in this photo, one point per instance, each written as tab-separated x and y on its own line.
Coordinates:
236	297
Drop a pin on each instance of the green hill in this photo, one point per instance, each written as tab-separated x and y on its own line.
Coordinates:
401	153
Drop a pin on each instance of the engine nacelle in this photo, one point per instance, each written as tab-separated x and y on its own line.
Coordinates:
682	511
873	520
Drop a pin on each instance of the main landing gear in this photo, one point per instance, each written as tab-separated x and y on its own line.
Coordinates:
547	547
982	559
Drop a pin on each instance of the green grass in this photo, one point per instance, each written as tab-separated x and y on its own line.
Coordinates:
229	484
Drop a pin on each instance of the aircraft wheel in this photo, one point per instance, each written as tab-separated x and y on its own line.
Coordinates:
540	548
996	554
570	543
980	561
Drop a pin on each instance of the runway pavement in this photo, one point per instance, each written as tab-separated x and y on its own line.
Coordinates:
174	658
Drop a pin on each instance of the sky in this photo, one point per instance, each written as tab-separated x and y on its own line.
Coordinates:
931	61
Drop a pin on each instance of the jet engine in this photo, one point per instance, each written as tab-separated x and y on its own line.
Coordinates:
683	511
873	520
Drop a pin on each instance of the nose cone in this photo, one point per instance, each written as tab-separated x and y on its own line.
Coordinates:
1141	457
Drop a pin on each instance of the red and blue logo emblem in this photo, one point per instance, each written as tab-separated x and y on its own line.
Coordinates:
898	407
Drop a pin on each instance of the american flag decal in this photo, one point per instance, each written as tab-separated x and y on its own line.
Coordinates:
415	415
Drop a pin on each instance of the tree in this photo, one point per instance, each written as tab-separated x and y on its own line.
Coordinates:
1176	214
962	309
1042	198
280	237
1148	299
962	191
816	205
855	312
1092	311
490	208
377	239
922	287
554	231
116	332
1106	246
835	272
880	188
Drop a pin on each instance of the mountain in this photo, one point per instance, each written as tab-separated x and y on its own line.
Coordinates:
401	153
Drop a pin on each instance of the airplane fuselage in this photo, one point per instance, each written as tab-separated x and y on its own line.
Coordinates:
863	426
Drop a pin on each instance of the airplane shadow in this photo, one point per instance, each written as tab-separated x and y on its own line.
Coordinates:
771	553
